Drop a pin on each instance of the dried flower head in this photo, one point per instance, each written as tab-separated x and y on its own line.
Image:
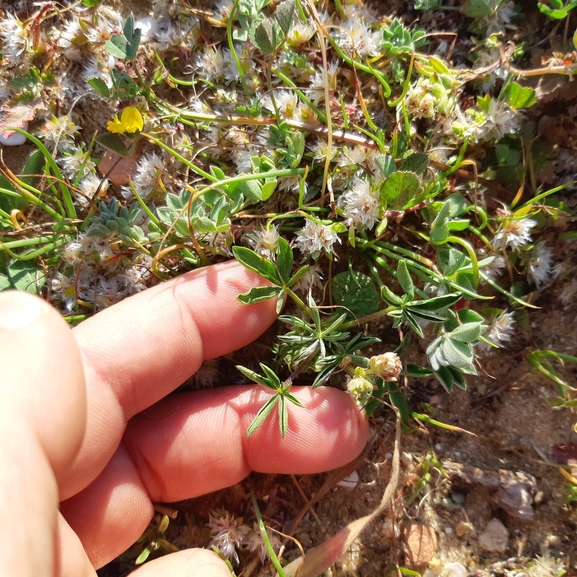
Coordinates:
388	366
360	389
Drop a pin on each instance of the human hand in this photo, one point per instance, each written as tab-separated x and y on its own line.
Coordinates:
83	420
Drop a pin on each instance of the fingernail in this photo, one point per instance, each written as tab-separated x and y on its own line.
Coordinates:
18	309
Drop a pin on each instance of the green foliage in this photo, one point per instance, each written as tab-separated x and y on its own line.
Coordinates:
427	4
401	40
556	9
24	276
407	309
356	292
279	399
116	220
203	214
266	33
125	45
519	96
451	353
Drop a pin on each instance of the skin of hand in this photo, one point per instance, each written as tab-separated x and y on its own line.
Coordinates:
89	439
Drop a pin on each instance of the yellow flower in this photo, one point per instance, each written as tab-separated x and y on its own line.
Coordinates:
130	121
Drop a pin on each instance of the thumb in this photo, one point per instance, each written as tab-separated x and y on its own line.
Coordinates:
42	420
187	563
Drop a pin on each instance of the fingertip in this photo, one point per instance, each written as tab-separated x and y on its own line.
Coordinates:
328	432
187	563
42	376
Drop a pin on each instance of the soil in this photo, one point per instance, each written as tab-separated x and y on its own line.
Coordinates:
511	429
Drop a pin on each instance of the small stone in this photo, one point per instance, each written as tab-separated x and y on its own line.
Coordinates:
420	543
463	528
390	530
553	541
454	570
349	482
494	537
14	138
406	459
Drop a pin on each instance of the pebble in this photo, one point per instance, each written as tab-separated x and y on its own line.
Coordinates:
455	569
463	528
420	543
15	139
494	537
349	482
553	541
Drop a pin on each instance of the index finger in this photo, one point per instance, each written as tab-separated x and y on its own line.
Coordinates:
139	350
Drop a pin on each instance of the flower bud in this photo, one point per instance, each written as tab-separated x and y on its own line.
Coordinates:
387	366
360	389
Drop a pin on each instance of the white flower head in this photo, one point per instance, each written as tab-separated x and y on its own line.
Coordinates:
64	288
14	39
320	80
58	132
316	237
210	63
255	543
493	266
499	331
360	204
71	164
148	176
499	19
514	233
500	120
312	278
540	264
228	535
356	36
89	186
264	241
301	32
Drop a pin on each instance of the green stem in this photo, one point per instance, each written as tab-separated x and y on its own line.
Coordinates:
364	67
31	198
394	103
26	242
179	156
264	535
472	256
36	253
414	266
301	95
232	48
64	190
